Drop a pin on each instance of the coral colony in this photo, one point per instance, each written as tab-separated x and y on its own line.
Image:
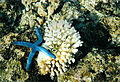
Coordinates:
62	40
34	47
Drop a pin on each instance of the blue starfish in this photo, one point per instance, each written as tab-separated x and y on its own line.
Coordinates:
34	47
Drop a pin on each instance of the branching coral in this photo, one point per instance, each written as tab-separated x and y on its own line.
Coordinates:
62	40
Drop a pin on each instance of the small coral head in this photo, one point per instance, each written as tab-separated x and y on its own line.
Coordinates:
62	40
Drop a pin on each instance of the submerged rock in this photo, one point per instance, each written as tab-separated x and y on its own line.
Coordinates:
96	66
113	25
13	71
10	66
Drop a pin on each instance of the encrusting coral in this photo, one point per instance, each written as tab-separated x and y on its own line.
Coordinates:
62	40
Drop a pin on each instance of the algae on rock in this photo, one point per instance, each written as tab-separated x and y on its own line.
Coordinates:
113	25
96	66
13	71
102	7
10	66
35	11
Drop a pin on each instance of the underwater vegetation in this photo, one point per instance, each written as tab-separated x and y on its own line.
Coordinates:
77	40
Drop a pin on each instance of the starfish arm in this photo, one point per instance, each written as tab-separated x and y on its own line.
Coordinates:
37	42
21	43
38	35
32	53
46	52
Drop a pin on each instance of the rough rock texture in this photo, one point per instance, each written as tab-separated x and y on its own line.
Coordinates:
36	11
12	71
96	66
10	66
108	13
113	25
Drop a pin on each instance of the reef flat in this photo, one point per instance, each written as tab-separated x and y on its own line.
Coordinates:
84	35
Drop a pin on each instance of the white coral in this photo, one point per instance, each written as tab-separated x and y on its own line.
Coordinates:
62	40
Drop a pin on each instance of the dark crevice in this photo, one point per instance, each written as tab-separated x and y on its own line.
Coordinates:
59	7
